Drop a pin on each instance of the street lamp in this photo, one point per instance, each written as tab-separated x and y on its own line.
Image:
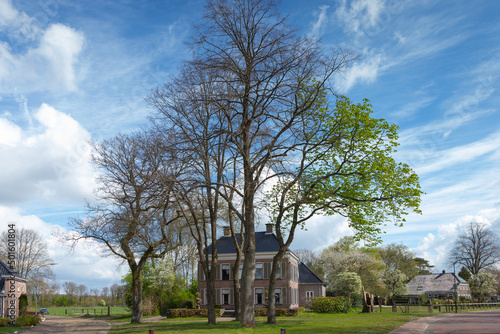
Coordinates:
456	288
36	293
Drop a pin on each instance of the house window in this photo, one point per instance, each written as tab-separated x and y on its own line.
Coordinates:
225	272
277	296
450	295
241	270
420	288
225	296
259	271
259	296
279	271
309	294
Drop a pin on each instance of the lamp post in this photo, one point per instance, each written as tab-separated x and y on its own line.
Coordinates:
36	293
456	288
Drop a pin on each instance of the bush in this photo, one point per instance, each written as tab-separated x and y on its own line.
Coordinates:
186	313
280	312
102	303
331	304
4	322
27	320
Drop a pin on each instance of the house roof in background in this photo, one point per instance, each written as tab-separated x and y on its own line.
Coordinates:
434	282
307	276
264	242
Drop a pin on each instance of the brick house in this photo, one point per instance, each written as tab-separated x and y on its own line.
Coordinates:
438	286
295	282
11	283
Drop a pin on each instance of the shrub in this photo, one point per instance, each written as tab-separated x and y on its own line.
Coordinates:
186	313
27	320
102	303
23	304
280	312
4	322
331	304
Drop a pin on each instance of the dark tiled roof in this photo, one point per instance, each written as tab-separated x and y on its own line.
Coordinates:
264	242
433	282
6	271
307	276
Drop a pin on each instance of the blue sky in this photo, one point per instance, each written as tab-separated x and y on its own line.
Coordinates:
71	72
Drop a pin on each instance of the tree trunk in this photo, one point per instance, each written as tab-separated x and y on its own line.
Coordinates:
236	286
212	317
247	316
271	302
136	296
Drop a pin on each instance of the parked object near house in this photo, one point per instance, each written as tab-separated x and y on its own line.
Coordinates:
12	285
438	286
295	282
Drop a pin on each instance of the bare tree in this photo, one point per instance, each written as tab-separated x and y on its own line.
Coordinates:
82	293
134	217
31	253
476	248
259	66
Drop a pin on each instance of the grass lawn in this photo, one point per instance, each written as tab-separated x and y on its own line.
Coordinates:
304	323
11	329
117	311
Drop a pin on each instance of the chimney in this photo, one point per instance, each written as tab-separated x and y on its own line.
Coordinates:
227	231
269	228
444	272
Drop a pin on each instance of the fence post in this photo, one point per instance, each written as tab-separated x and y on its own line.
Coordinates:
430	306
109	311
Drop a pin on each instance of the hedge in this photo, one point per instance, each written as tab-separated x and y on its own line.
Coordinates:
331	304
4	322
27	320
284	312
186	313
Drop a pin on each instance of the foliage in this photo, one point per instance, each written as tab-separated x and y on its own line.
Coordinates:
346	255
395	280
398	256
23	304
27	320
483	284
280	312
348	284
465	274
102	302
186	313
331	304
4	322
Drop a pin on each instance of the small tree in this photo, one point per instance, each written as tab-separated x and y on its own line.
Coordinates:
465	274
483	284
23	304
348	284
395	281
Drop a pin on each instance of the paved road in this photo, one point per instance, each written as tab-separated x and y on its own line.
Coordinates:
60	325
478	322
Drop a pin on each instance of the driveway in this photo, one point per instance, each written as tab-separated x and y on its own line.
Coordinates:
59	325
477	322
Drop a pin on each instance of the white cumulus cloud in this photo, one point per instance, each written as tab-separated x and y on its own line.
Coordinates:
49	161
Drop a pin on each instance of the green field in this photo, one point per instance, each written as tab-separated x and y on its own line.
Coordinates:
304	323
98	311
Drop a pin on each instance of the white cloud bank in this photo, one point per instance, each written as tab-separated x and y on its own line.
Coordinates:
48	64
48	161
82	266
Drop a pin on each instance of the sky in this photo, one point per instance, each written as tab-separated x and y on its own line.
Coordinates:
73	72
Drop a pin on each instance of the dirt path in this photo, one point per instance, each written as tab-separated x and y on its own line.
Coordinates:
59	325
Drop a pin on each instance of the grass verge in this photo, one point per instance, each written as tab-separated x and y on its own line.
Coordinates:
304	323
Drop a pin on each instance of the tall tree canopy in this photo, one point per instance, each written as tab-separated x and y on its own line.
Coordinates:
134	217
476	248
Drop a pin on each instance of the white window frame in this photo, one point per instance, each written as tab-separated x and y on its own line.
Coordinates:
261	268
278	297
223	267
258	293
309	294
223	291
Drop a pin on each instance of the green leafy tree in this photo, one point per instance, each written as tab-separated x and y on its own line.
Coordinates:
347	255
395	281
348	284
483	284
423	266
23	304
465	274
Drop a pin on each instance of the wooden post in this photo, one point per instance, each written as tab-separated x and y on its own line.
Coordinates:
109	311
430	306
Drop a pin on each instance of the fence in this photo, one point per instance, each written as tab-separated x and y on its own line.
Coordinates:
441	307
